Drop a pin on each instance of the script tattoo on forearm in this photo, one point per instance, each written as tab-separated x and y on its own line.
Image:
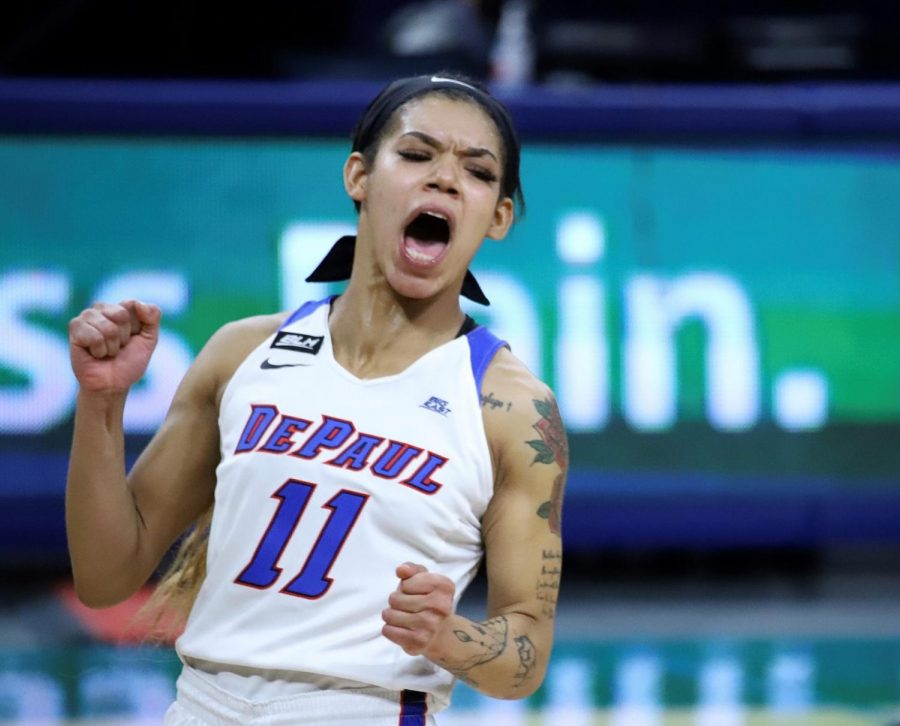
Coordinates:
548	582
551	448
484	642
527	660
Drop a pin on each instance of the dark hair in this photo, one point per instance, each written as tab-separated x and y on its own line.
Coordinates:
372	125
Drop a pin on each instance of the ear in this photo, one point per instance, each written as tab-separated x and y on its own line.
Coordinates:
355	177
504	214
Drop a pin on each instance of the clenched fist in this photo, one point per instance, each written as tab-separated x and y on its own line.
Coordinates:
418	608
110	345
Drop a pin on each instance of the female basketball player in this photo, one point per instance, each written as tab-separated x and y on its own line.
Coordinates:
362	453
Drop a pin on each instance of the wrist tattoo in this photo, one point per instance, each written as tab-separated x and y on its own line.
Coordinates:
462	675
483	642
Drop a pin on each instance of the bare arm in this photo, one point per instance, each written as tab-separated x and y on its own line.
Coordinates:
119	526
506	655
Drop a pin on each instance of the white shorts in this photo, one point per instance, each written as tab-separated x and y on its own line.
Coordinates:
200	703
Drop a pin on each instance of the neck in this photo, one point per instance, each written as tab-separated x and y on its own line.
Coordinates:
375	332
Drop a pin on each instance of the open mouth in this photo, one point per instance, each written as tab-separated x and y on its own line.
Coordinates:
425	238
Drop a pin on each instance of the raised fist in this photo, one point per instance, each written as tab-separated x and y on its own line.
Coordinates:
110	345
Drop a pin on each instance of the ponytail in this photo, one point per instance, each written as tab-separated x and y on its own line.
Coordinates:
166	611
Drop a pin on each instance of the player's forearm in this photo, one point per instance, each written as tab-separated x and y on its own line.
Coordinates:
498	657
102	523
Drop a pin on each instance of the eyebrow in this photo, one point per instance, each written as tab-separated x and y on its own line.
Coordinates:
475	151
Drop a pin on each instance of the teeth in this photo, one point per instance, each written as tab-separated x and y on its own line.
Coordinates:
436	214
416	255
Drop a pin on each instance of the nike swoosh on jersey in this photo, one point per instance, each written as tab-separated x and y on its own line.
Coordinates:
266	366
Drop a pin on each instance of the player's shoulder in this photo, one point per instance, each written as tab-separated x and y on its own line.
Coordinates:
248	332
508	377
513	399
231	344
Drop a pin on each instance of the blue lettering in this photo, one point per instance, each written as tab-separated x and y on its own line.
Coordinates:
260	418
421	480
356	455
331	434
394	460
280	440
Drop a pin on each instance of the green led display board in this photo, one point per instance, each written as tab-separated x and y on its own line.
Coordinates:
726	316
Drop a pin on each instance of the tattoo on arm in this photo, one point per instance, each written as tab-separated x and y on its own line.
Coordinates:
462	675
527	660
551	448
494	403
547	589
485	641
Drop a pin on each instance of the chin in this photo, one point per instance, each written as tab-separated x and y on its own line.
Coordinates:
415	289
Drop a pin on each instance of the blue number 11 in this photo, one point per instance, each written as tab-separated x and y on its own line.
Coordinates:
313	580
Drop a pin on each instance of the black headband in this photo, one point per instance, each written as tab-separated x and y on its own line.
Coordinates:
338	264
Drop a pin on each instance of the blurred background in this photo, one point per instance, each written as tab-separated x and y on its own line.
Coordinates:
708	275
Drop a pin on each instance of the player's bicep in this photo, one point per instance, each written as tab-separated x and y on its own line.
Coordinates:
523	528
523	560
173	480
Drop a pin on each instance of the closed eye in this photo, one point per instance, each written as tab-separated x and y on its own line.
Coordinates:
484	174
414	155
417	155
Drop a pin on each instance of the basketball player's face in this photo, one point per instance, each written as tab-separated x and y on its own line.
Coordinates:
432	195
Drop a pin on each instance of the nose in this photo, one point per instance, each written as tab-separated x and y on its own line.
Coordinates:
443	178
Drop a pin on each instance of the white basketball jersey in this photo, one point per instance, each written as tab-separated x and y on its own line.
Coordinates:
326	483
